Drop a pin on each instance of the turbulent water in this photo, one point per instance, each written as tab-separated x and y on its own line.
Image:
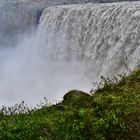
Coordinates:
72	47
18	16
105	36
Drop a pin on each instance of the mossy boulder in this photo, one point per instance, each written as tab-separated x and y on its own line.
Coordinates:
77	97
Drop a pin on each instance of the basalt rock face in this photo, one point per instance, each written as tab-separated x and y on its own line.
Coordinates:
18	18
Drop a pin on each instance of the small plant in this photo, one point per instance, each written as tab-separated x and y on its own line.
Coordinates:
111	113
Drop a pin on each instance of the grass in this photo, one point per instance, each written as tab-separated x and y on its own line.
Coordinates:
111	113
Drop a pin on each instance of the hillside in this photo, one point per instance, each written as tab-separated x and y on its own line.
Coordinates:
111	113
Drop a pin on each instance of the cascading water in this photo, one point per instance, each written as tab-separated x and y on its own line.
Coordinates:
73	46
106	37
18	16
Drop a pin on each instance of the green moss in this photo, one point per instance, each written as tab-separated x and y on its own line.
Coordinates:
111	113
77	98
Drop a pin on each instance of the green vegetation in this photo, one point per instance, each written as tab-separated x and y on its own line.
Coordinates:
112	113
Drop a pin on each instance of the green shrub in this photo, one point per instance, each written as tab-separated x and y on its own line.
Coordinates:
111	113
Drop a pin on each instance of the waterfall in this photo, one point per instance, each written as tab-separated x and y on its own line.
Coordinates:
106	37
72	47
22	15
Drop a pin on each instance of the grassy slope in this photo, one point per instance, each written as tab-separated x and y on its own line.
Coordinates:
112	113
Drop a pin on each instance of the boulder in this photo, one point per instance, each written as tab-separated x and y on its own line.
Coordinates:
77	98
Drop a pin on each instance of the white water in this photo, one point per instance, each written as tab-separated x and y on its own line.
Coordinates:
72	47
105	36
18	16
